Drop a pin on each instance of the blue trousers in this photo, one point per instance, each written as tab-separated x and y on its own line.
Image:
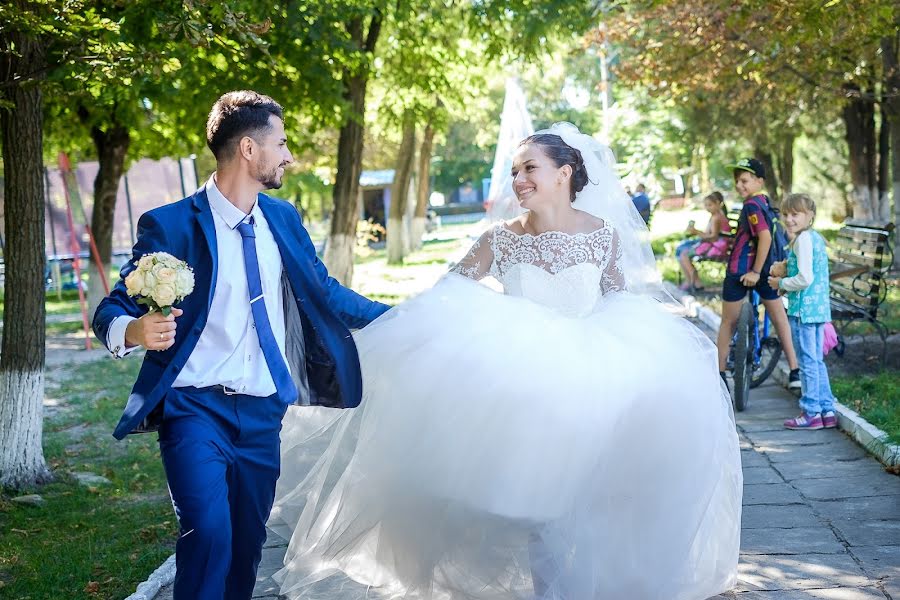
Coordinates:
815	387
221	457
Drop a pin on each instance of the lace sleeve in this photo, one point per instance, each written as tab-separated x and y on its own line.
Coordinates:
478	261
613	280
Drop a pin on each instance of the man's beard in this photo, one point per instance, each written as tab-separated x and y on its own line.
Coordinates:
269	179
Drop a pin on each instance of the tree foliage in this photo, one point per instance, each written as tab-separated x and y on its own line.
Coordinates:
753	69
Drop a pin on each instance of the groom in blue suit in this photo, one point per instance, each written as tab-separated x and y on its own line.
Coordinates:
264	328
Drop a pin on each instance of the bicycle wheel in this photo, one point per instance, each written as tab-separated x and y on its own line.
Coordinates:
743	357
769	354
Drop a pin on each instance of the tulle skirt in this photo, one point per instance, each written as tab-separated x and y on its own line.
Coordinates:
505	451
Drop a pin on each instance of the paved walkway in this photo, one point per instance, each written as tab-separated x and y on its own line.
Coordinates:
821	517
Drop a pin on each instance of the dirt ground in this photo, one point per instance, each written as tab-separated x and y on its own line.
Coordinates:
70	348
862	356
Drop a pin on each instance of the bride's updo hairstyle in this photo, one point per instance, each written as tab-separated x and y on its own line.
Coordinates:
562	154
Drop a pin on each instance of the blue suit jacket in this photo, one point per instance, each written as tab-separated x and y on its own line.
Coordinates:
326	309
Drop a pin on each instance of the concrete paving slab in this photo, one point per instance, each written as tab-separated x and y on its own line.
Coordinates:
869	508
761	475
786	437
869	533
815	469
270	563
771	493
774	409
762	516
752	458
762	425
866	593
834	451
796	540
799	571
879	561
274	540
849	487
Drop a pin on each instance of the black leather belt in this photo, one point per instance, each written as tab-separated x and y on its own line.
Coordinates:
222	389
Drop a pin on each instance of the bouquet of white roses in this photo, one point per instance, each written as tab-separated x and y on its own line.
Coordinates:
160	280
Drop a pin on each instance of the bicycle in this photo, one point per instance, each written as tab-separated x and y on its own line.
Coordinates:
755	352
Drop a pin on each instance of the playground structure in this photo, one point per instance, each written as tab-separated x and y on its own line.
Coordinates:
68	236
146	185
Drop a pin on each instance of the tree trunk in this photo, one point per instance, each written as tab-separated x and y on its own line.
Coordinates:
417	230
705	184
859	121
342	239
112	148
890	52
786	163
883	200
22	360
765	157
397	246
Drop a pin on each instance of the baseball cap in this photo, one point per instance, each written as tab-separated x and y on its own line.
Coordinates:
750	165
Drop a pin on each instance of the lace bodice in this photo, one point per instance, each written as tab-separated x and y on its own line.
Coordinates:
567	272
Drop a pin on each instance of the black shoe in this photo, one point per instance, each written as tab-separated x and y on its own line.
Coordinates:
794	380
725	380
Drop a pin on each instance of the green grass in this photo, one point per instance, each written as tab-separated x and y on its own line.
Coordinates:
68	304
888	313
65	327
112	535
875	397
65	303
432	252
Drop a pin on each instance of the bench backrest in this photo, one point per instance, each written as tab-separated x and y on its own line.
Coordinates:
860	258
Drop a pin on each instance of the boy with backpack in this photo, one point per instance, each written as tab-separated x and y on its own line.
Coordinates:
760	240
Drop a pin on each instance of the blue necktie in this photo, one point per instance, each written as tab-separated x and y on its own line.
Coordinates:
284	385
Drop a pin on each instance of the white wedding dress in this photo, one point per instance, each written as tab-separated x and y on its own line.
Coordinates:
566	440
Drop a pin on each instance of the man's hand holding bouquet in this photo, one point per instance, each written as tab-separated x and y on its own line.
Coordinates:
158	281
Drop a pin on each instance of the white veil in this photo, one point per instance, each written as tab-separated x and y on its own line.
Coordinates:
604	197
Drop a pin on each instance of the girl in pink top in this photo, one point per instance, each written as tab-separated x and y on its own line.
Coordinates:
709	243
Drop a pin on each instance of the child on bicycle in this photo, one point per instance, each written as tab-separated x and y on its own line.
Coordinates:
748	266
809	309
709	243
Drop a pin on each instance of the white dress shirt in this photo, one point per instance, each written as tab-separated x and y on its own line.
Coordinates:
228	351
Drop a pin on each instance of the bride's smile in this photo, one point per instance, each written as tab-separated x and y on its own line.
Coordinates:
534	175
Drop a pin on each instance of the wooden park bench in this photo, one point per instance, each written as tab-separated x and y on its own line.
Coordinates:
732	214
861	256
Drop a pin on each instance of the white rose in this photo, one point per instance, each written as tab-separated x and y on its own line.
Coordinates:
184	282
146	262
162	258
149	284
134	282
164	274
164	294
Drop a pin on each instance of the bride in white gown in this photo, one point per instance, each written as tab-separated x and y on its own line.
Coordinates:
569	439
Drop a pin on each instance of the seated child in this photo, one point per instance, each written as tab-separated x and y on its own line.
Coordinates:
709	243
